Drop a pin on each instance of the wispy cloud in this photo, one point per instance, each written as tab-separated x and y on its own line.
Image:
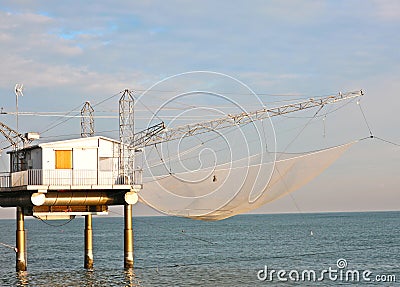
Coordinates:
388	10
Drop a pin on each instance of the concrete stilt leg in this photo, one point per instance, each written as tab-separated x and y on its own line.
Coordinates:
128	237
21	262
88	242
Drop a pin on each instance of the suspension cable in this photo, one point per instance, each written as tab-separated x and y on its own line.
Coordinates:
302	130
386	141
147	108
9	246
365	119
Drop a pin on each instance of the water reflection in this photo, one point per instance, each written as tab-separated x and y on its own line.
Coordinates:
76	278
90	278
22	279
130	278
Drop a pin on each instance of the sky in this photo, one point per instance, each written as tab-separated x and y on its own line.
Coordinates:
67	52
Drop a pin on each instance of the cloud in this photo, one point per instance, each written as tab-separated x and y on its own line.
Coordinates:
388	10
67	52
39	57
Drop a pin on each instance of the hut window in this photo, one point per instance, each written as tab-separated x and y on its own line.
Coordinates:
63	159
105	163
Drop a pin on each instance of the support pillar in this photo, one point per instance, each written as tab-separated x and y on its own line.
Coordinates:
128	237
21	262
88	242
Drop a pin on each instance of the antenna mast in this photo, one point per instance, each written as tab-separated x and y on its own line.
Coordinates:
18	92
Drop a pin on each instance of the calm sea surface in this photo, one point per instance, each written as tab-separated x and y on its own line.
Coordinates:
181	252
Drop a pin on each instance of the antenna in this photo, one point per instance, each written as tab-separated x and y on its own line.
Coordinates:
18	92
19	88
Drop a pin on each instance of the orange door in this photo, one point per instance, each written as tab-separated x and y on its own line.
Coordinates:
63	159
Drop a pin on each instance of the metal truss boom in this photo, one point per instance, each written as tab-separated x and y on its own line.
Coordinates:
142	137
171	134
12	136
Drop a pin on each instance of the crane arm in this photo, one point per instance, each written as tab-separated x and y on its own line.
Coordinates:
141	138
164	135
11	135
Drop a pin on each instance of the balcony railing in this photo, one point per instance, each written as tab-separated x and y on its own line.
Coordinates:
62	177
5	180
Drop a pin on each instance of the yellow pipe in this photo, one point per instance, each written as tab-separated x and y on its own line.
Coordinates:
128	237
88	242
61	198
21	262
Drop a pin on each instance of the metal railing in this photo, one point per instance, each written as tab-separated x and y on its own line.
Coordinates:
5	180
60	177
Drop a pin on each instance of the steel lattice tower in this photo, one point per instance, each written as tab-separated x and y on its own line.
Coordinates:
126	135
87	121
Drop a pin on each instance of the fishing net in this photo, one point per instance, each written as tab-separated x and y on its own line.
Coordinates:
217	156
237	187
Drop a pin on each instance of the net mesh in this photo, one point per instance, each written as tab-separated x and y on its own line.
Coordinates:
228	189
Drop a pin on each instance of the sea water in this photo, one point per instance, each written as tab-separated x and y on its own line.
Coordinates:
239	251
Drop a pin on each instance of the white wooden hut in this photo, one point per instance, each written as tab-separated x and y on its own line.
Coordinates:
83	163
